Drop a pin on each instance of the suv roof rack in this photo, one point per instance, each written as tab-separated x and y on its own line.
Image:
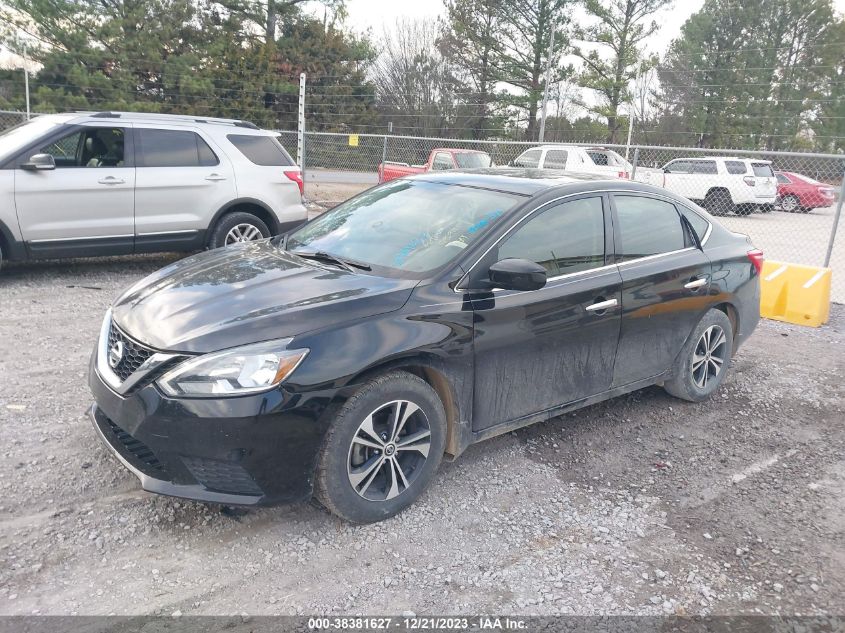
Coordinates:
106	114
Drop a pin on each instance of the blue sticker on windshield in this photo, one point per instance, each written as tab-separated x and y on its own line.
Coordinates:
487	219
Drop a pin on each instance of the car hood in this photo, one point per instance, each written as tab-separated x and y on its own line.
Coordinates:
246	294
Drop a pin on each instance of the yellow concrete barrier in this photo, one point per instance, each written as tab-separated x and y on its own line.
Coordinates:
794	293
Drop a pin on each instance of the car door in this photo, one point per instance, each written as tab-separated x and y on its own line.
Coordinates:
182	181
540	349
85	206
665	285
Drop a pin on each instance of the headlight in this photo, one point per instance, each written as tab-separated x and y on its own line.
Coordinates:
234	372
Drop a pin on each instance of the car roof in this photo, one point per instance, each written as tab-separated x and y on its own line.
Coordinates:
458	150
736	158
521	181
176	119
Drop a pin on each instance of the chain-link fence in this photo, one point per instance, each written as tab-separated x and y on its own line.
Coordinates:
785	202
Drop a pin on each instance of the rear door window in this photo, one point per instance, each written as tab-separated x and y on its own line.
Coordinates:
173	148
704	167
647	226
555	159
265	151
735	167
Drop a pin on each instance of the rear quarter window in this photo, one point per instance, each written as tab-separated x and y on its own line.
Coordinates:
698	224
762	169
261	150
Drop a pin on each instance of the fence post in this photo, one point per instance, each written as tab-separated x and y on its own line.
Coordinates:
384	150
836	217
26	81
300	137
634	164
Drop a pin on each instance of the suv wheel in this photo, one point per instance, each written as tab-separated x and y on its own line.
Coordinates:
382	449
237	227
719	202
703	362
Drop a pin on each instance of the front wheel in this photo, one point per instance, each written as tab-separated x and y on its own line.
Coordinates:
382	449
703	362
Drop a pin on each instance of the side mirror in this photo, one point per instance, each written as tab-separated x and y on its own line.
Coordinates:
38	162
517	274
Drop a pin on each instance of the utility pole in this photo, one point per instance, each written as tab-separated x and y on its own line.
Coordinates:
546	88
300	137
631	116
26	81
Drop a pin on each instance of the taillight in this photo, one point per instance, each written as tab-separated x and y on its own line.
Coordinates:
296	176
623	174
756	258
750	181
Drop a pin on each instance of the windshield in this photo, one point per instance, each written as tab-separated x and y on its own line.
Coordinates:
412	226
473	161
19	135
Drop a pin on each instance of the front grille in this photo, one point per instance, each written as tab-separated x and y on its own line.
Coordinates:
221	476
134	354
136	447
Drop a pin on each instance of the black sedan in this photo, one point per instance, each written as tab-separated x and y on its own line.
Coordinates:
346	359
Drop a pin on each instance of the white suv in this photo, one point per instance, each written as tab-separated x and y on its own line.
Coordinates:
720	184
575	158
112	183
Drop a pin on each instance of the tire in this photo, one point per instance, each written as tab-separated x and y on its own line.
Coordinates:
767	208
696	383
790	204
357	477
719	202
239	223
1	258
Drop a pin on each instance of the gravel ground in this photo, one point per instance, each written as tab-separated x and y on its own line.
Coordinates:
641	505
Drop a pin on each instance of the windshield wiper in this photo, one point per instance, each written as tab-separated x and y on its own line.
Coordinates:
348	264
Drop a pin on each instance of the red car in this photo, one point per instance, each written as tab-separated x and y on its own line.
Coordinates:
801	193
440	159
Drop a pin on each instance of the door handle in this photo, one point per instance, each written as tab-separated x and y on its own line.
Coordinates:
215	177
111	180
695	284
602	305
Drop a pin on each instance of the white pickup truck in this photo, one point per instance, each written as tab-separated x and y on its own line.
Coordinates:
721	185
575	158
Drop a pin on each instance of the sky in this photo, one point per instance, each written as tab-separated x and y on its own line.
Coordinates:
376	14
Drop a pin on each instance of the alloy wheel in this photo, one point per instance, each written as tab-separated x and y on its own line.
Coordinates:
388	450
243	233
789	204
708	358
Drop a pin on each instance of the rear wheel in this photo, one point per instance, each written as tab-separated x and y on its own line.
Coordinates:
790	204
382	449
719	202
237	227
703	362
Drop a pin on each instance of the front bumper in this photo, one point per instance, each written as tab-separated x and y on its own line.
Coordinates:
250	450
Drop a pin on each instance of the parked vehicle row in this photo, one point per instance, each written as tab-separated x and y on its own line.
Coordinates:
112	183
346	359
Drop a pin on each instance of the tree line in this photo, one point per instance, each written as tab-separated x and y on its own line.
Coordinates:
756	74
